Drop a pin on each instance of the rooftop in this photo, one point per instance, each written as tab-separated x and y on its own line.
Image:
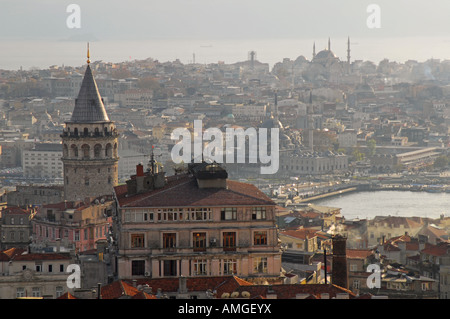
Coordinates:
183	190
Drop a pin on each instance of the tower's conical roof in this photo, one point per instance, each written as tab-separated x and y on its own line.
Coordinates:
89	105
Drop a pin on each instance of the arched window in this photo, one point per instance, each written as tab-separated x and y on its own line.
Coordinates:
74	150
96	131
86	131
75	131
108	150
97	150
85	149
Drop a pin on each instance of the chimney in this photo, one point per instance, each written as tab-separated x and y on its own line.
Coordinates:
339	264
58	245
139	170
99	291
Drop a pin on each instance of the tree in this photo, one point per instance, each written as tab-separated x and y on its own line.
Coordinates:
357	155
371	146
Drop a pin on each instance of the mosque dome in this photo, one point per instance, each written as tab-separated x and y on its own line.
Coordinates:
325	54
272	123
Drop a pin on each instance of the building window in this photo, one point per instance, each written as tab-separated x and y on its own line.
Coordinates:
77	235
50	268
169	240
36	292
356	284
228	213
260	265
170	267
260	238
138	267
259	213
199	241
229	266
20	292
200	266
137	240
229	241
59	291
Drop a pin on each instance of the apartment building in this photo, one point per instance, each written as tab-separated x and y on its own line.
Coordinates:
43	161
72	225
195	224
36	275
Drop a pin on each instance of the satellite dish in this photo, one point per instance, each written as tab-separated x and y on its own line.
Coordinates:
234	294
225	295
245	294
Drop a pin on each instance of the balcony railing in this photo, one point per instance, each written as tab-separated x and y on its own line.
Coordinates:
89	134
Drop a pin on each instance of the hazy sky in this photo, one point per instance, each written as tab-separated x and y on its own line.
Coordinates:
143	19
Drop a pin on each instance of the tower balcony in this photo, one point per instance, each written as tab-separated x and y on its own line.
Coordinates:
82	135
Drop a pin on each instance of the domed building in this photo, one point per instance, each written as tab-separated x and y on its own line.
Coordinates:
325	65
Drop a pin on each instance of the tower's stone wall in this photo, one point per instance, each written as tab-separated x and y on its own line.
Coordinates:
90	158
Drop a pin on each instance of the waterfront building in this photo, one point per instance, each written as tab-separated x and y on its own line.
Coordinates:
197	224
90	146
294	163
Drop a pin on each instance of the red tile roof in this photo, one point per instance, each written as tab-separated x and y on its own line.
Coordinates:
185	192
118	289
436	250
14	210
291	290
41	256
359	253
200	284
7	254
67	295
302	233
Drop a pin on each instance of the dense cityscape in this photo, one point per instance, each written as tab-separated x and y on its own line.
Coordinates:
88	180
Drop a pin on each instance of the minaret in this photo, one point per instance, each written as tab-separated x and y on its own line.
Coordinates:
310	123
329	44
348	51
90	145
314	50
